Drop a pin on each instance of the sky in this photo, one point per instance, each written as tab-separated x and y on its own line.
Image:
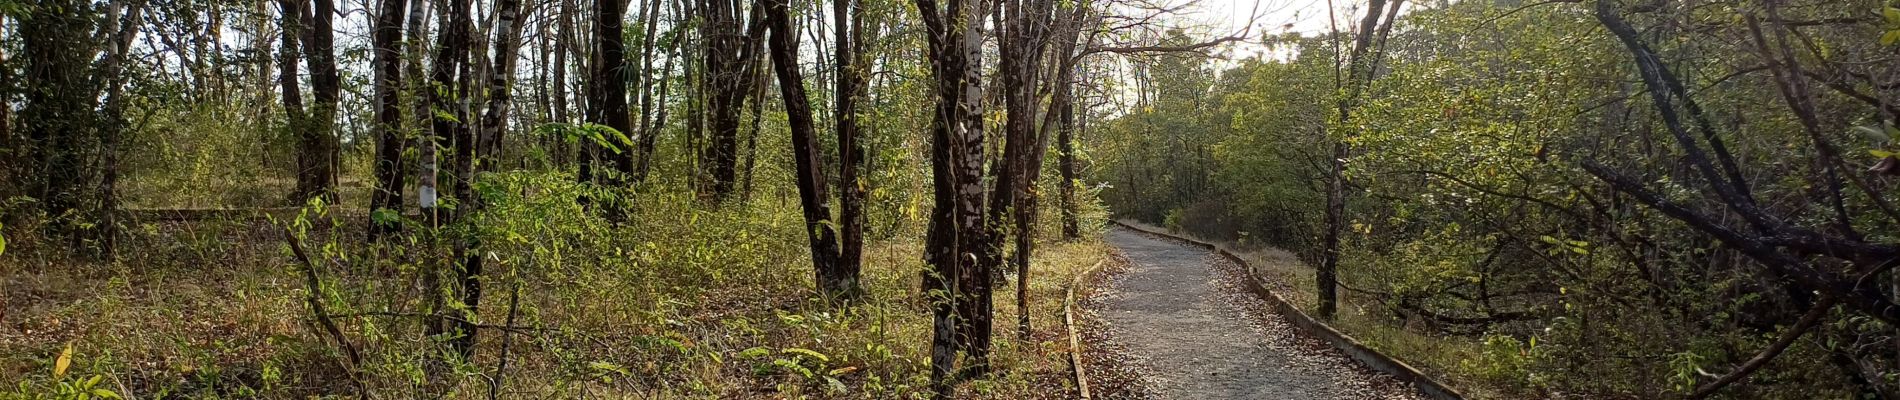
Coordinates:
1276	16
1269	17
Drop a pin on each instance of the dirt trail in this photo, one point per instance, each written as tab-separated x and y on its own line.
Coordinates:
1190	331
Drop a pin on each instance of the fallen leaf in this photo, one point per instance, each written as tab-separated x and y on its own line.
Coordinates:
65	360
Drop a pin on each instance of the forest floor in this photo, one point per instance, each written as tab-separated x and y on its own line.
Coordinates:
686	303
1182	324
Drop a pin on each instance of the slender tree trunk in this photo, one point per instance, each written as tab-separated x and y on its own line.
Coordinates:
477	149
421	98
1030	167
296	122
643	153
695	71
317	141
752	138
445	99
1024	27
1066	126
113	128
389	182
1065	164
1357	75
562	46
848	16
607	89
507	42
543	57
730	56
261	44
9	178
808	170
466	145
1326	276
647	142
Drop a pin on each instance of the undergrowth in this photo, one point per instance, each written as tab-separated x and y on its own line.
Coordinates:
679	300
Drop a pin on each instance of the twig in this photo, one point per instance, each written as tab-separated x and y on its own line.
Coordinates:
501	368
1488	21
519	330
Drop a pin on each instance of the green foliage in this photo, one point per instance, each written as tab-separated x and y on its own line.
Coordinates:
1508	360
64	385
1469	221
606	137
1890	18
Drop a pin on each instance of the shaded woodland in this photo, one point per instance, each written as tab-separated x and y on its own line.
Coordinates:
875	199
512	198
1594	199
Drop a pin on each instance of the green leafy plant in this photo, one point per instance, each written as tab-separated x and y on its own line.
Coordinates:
1890	22
64	386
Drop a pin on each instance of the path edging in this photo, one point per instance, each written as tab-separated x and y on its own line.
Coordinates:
1346	344
1075	337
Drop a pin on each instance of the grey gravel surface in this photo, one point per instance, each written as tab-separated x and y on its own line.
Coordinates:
1190	331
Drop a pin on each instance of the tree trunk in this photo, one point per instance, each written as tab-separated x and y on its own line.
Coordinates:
389	149
958	281
647	141
1063	107
444	97
10	178
1065	162
261	78
730	57
607	89
543	57
466	144
643	152
317	145
752	138
507	42
296	122
113	128
1023	30
476	149
57	118
420	97
1358	74
849	29
809	169
1326	276
561	43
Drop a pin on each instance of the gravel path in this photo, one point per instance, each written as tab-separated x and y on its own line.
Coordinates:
1190	331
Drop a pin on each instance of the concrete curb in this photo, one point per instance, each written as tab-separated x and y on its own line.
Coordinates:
1075	338
1346	344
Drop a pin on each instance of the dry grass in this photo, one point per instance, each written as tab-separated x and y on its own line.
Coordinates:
707	305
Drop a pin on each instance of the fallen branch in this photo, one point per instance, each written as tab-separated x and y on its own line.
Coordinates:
1807	321
315	299
510	328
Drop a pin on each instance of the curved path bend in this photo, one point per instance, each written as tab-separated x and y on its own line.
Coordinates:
1184	323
